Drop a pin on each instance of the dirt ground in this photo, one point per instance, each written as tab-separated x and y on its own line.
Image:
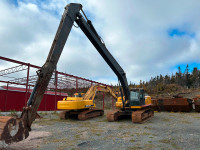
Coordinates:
164	131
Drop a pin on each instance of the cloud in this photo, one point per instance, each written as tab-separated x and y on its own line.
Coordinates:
135	32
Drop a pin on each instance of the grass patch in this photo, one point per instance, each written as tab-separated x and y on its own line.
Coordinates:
166	120
98	134
186	122
78	136
43	113
166	141
44	122
135	148
149	146
104	120
145	133
147	127
13	113
175	146
132	141
197	117
54	113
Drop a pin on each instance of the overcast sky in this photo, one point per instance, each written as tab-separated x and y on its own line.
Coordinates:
147	37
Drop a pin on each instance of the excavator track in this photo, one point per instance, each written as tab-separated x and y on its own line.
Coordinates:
64	114
12	130
140	116
112	115
91	113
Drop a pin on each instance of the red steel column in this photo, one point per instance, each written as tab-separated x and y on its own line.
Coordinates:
28	70
45	102
56	78
6	96
76	85
103	100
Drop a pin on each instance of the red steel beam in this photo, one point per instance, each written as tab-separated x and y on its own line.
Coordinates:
34	66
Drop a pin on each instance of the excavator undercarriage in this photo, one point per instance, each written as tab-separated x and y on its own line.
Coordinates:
81	114
138	116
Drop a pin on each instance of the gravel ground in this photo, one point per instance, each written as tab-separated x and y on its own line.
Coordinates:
164	131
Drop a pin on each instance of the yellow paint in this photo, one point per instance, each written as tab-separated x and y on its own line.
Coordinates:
119	104
148	100
136	107
83	100
75	103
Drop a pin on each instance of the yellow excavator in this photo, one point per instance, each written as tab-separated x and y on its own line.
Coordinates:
15	129
82	105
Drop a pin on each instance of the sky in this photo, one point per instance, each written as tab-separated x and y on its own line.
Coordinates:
147	38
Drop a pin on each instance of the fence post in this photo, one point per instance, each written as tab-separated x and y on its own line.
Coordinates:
27	78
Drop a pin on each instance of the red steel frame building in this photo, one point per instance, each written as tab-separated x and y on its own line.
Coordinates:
60	84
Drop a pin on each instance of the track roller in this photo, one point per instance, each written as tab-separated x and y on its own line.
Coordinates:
64	114
91	113
143	115
112	115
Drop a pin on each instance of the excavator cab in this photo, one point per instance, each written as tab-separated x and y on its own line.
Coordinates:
78	94
137	97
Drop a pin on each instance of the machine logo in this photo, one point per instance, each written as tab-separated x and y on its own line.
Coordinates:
88	105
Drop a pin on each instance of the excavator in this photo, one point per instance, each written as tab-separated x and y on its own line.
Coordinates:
82	105
15	129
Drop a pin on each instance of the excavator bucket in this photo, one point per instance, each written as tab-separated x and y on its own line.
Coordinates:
12	130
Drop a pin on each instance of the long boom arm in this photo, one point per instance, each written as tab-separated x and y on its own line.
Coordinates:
92	35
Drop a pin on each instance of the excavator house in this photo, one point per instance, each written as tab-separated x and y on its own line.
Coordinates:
131	102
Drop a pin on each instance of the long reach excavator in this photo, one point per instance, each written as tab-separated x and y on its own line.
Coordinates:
14	129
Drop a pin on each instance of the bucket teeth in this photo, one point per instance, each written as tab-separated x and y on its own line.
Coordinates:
12	130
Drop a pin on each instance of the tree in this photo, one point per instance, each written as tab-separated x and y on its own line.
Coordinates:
195	78
187	77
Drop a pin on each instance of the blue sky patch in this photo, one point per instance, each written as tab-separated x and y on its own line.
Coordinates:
191	66
180	33
14	2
